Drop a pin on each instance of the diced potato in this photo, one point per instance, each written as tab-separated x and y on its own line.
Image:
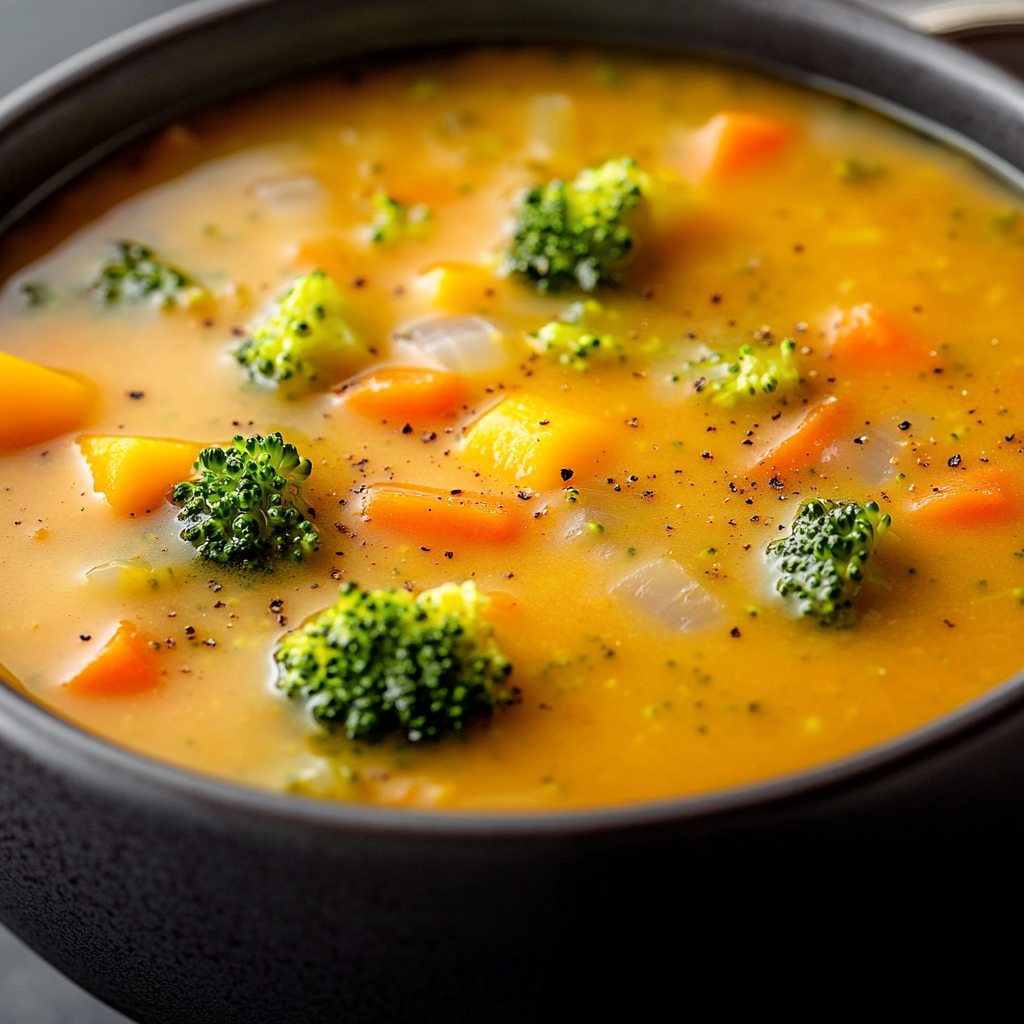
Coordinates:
530	440
134	474
37	403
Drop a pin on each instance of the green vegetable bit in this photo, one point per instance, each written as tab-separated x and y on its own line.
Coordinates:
134	273
242	510
853	169
307	333
385	662
578	234
753	372
580	336
820	564
393	219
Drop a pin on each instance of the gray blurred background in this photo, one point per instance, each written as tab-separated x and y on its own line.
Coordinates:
36	34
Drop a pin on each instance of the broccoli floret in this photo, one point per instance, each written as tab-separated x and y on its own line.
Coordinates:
308	332
242	510
384	662
581	233
580	336
820	564
753	372
133	273
393	219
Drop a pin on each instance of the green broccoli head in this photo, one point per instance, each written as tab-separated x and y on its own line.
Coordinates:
383	662
242	510
133	273
578	234
580	337
820	564
393	219
753	372
308	332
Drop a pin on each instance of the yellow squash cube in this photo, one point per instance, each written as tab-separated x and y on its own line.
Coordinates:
529	440
37	403
134	474
459	287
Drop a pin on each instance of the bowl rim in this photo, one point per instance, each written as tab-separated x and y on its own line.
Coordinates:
35	728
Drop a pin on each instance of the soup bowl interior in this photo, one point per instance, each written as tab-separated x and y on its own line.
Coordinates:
177	898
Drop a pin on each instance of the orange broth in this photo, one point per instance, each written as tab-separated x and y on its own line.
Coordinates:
843	211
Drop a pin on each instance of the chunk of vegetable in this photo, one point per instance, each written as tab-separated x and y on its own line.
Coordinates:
405	391
974	500
134	273
422	513
462	344
530	441
37	403
731	142
394	219
297	195
551	127
581	336
581	233
308	332
868	336
458	287
127	665
135	474
664	590
810	440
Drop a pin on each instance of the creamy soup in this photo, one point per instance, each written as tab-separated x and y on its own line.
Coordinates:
810	302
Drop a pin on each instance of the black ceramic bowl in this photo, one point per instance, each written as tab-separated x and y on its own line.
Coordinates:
177	898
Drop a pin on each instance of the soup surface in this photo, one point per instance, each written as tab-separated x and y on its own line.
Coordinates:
653	654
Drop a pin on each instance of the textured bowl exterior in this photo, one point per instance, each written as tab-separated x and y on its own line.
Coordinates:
181	899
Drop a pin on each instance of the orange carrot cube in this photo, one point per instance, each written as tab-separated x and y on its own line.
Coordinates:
422	513
732	141
134	474
37	403
127	665
405	392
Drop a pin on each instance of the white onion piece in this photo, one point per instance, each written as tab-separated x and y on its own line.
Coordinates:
867	458
462	344
294	196
552	126
665	591
578	524
405	353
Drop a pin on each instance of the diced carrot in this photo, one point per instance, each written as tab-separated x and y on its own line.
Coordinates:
973	500
125	666
134	474
37	403
732	141
427	514
868	336
405	392
530	440
820	426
